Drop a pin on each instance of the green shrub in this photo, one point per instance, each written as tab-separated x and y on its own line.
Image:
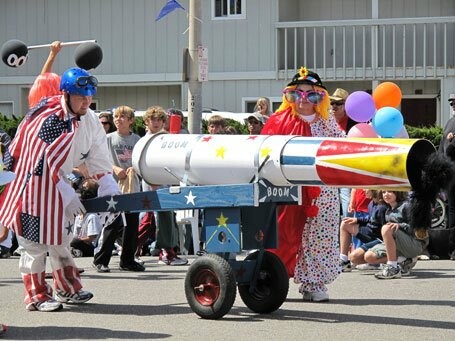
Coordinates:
9	125
432	134
241	128
139	126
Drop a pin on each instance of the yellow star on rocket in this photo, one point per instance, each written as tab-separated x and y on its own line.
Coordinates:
222	220
265	151
220	152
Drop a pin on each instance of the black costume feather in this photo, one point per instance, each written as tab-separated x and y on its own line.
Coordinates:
437	172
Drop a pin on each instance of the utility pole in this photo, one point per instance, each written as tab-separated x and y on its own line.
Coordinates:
194	85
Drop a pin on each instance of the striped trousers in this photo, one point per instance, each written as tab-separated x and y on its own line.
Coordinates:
32	265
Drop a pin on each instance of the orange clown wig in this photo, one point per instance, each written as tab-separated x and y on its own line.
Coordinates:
45	85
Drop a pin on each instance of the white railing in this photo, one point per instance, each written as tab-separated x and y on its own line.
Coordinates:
414	48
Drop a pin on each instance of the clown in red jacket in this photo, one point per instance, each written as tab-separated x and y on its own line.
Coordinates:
308	233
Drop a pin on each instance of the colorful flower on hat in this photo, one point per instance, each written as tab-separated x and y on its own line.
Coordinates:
303	72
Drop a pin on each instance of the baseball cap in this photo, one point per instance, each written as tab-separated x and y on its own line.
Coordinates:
256	116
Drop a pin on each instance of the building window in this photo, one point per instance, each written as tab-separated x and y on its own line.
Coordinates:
248	103
228	9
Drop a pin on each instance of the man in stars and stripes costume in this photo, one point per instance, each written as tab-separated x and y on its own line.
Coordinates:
58	134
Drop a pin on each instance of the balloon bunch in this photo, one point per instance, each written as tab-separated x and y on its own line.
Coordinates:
380	109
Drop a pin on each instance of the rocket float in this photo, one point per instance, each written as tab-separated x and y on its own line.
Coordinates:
239	180
171	159
244	177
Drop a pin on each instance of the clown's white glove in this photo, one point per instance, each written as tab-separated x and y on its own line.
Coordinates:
108	186
71	202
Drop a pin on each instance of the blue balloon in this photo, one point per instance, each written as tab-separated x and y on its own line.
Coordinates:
387	122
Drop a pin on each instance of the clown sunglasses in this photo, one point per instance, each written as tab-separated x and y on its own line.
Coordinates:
83	81
294	95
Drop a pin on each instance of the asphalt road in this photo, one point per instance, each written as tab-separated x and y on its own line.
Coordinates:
152	305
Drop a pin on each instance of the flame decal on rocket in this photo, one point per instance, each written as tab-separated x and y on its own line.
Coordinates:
362	163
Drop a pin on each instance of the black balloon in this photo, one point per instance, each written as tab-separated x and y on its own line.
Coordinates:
14	53
88	55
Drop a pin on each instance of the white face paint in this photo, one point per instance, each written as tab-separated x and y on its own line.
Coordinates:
14	61
305	107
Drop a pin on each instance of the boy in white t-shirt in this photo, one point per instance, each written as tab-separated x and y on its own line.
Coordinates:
87	227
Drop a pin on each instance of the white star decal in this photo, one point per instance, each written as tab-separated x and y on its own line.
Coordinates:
190	198
111	204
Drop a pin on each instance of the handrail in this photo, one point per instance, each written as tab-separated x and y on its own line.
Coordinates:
364	22
398	48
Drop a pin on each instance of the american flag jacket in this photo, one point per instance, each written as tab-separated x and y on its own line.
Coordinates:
49	143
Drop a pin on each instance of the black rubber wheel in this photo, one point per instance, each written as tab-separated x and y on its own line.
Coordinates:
271	287
210	287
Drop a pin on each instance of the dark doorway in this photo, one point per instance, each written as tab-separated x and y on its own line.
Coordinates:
419	112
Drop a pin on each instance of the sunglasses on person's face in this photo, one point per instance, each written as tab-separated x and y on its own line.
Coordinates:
337	103
296	95
86	80
253	122
104	123
452	103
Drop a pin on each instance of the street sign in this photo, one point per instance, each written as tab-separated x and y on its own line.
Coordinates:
203	62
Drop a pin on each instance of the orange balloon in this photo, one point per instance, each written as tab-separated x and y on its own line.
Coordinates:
387	94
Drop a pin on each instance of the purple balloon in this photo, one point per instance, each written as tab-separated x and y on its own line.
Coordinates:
360	106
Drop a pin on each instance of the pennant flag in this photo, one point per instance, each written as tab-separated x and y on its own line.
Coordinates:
168	8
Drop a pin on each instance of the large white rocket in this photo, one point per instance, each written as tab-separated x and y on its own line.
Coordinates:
172	159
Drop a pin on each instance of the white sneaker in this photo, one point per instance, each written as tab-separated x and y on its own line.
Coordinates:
79	297
367	267
179	261
407	265
49	305
173	261
318	296
101	267
345	266
389	272
169	257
